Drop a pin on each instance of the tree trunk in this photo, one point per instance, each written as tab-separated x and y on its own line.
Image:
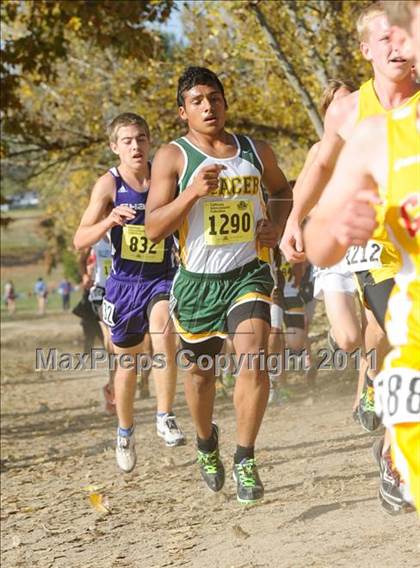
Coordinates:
290	72
301	32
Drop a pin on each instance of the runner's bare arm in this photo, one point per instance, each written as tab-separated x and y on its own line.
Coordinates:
165	212
280	196
309	160
97	219
309	190
345	215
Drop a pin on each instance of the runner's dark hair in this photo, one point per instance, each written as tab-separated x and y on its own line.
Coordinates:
193	76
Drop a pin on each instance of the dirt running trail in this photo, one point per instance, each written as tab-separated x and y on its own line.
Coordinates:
320	507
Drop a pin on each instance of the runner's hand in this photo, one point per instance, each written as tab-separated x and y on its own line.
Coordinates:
207	180
292	242
119	215
357	221
267	233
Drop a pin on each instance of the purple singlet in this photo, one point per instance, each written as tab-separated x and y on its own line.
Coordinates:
141	274
125	268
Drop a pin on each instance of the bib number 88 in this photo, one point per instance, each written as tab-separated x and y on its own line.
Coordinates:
413	398
397	396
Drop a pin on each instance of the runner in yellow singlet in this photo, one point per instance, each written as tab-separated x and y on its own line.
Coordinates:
392	86
380	165
374	266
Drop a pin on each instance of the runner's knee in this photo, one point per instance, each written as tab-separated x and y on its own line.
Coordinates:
295	339
346	341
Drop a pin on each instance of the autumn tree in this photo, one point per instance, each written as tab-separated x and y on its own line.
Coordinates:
66	68
36	35
274	59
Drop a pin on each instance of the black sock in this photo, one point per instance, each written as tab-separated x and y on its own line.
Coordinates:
208	445
243	453
369	382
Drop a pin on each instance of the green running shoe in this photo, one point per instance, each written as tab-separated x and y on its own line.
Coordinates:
368	417
211	469
211	466
249	487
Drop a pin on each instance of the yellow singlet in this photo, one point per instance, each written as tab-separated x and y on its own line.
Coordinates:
400	376
402	217
390	262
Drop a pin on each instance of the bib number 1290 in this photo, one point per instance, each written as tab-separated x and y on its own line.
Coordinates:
228	222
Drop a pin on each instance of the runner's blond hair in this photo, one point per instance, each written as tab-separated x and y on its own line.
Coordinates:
401	13
366	16
126	119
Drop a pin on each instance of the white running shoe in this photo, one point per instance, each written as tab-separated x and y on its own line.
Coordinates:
125	452
168	429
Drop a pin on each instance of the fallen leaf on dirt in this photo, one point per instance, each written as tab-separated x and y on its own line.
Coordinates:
239	532
99	503
54	530
169	462
91	488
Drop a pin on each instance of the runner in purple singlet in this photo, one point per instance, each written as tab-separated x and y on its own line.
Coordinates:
137	290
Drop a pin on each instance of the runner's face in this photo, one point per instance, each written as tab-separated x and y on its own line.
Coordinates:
409	43
204	109
385	57
132	146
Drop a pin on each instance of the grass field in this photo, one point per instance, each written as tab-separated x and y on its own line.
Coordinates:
23	238
22	247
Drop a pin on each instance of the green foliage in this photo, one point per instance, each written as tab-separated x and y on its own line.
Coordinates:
70	266
14	178
37	35
54	24
23	239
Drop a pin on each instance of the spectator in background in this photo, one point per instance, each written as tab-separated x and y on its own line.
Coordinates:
10	297
83	310
41	293
65	289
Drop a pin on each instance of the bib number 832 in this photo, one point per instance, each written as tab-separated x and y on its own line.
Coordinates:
136	246
139	244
